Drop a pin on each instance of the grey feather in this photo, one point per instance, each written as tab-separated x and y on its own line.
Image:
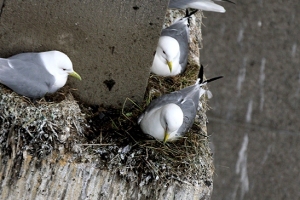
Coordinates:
187	99
27	77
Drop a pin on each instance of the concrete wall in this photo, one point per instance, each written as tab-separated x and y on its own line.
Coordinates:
111	43
254	121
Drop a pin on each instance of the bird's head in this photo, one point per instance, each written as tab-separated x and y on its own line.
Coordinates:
61	65
65	65
171	120
168	50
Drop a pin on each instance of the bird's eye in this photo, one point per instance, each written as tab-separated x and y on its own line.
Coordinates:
164	52
64	69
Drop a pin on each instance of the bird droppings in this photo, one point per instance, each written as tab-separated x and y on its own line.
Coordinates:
59	127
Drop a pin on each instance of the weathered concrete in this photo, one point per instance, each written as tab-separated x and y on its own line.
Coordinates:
58	177
111	43
254	122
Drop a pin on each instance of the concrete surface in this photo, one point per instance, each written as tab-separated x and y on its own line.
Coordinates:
60	176
111	43
254	121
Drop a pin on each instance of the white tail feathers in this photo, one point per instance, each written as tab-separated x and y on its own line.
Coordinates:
206	6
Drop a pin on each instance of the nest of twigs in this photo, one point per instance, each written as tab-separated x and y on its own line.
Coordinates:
138	157
110	136
37	127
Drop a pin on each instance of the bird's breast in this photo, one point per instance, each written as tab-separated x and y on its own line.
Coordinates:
151	124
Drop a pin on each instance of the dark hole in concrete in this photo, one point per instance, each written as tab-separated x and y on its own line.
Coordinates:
112	49
151	23
109	83
135	7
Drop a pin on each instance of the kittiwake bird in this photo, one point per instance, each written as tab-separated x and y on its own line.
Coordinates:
172	50
35	74
171	115
204	5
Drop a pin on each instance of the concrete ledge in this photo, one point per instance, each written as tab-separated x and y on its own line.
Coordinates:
58	178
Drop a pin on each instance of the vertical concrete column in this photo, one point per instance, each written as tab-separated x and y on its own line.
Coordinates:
111	43
254	121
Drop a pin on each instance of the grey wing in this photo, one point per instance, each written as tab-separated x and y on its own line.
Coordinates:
191	92
180	4
25	78
165	99
180	31
25	56
189	109
189	106
183	4
173	97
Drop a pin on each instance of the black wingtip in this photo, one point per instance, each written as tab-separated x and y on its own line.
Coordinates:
193	12
200	75
229	1
213	79
188	14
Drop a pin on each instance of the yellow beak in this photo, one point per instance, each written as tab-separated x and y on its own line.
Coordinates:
74	74
170	64
167	135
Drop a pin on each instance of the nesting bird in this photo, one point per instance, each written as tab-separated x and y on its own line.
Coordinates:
204	5
36	74
172	50
171	115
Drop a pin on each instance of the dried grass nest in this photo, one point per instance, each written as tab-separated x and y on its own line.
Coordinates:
110	137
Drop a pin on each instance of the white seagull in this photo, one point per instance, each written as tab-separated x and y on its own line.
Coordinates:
172	50
36	74
171	115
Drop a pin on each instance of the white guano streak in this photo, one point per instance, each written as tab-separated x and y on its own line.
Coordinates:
249	111
240	35
241	76
241	167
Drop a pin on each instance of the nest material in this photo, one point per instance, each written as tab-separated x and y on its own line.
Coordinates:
108	137
113	138
37	127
